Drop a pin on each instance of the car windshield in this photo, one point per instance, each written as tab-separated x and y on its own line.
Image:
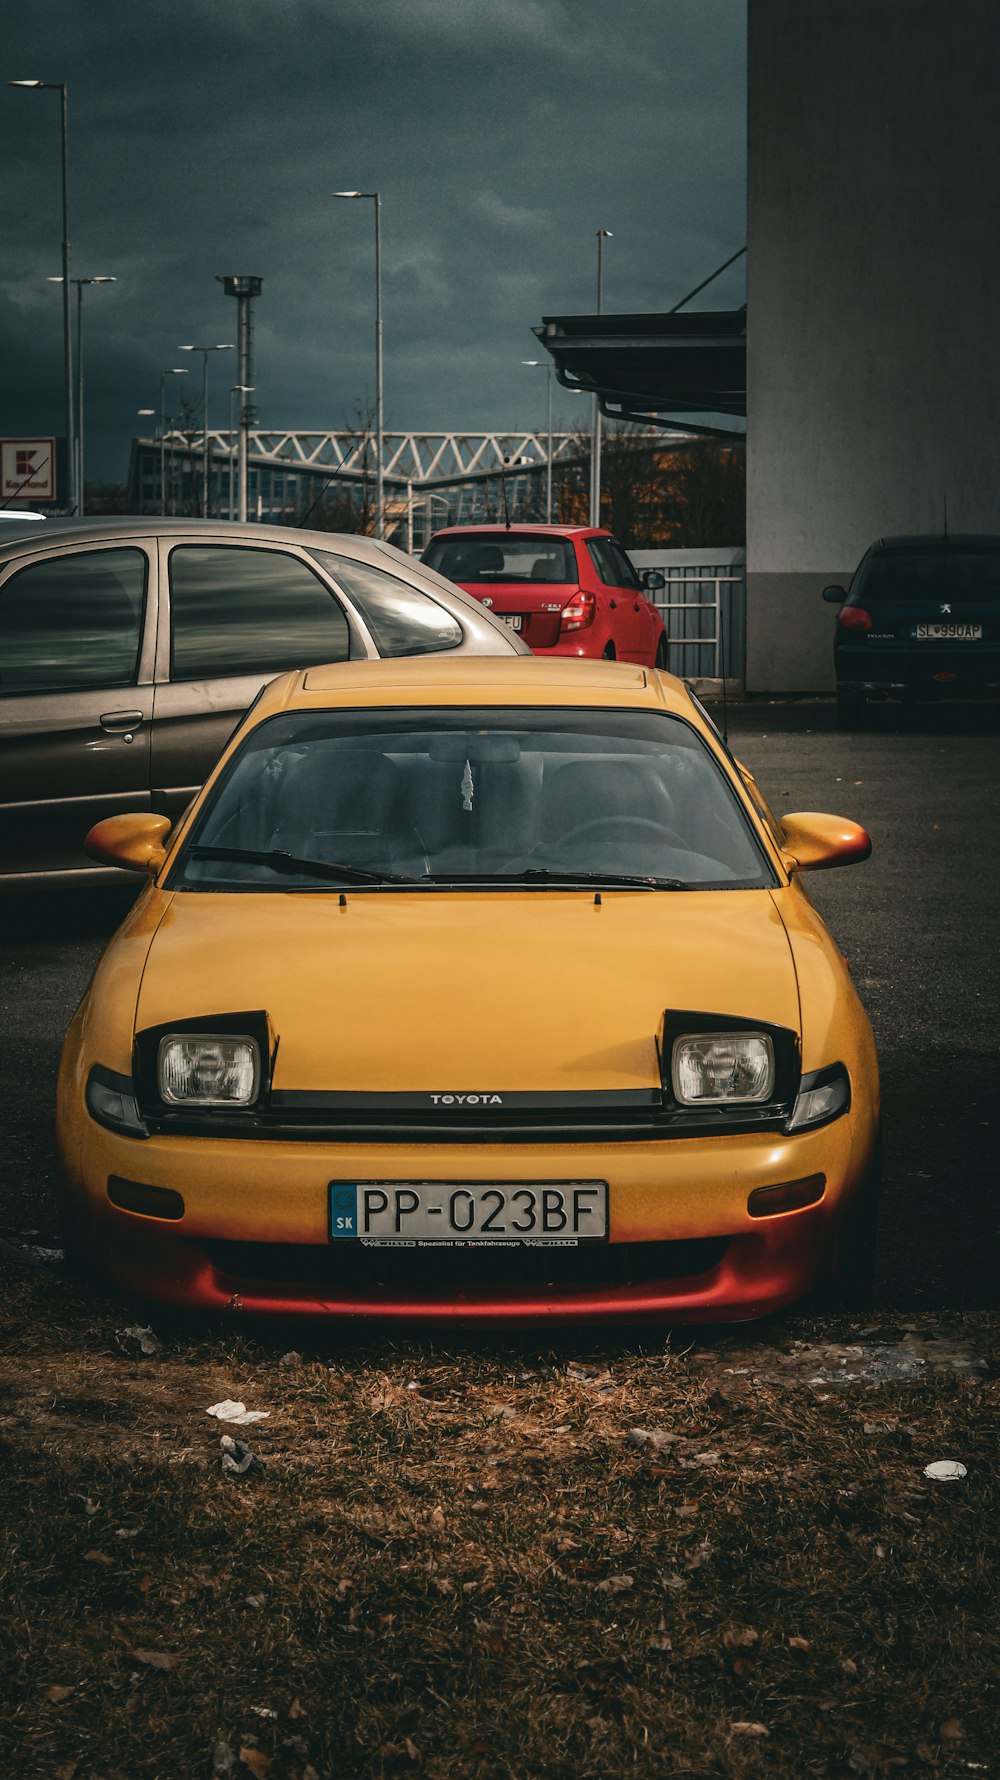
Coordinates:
491	797
503	556
960	576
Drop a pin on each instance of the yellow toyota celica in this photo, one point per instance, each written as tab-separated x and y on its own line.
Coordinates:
474	990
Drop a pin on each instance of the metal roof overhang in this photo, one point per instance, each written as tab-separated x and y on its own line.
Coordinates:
657	369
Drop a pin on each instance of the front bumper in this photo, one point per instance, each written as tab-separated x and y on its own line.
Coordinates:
683	1246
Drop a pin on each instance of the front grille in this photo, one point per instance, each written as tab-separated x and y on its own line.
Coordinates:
567	1124
351	1269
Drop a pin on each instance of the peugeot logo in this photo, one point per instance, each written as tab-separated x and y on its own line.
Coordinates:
945	608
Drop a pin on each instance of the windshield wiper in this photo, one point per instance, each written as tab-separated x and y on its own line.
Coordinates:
538	874
292	865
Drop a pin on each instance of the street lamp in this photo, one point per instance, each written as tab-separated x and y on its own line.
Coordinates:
175	371
379	486
222	346
238	389
546	366
595	460
145	411
80	282
59	86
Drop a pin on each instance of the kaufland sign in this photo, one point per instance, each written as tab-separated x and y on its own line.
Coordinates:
27	470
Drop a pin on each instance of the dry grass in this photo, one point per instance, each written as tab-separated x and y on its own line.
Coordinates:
456	1562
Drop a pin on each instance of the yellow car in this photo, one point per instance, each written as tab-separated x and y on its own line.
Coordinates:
479	990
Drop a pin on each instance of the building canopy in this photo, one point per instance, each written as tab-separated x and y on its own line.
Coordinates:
656	369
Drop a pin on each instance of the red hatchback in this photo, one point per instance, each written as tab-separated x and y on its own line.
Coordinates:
566	589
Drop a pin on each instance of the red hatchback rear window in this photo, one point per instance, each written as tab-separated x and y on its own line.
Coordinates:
503	556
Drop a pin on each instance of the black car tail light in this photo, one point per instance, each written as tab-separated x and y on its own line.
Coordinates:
854	618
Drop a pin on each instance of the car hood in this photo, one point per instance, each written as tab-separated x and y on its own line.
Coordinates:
542	991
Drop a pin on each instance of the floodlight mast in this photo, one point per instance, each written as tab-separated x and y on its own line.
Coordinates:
244	287
59	86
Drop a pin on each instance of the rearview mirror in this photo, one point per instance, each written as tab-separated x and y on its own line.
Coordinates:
814	842
835	596
653	580
136	841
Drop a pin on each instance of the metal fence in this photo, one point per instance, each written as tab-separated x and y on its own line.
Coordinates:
704	609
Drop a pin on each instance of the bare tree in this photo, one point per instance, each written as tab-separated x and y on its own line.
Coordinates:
348	504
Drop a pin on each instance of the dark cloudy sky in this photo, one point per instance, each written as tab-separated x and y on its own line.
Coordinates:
206	135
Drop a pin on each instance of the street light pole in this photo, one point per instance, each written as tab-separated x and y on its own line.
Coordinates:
80	282
237	389
221	346
595	462
175	371
379	408
59	86
546	366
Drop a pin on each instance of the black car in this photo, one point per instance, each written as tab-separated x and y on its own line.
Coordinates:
921	620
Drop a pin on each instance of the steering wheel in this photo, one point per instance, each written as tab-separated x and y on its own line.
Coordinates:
590	829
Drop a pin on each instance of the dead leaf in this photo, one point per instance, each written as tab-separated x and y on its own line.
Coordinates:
614	1585
660	1641
67	1770
489	1639
97	1557
295	1709
138	1340
747	1727
437	1517
58	1694
258	1763
951	1731
800	1644
740	1637
155	1659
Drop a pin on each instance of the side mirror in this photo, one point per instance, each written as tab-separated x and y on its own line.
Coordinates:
136	841
835	596
653	580
813	842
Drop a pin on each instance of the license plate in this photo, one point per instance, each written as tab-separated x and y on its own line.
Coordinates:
412	1213
511	619
948	633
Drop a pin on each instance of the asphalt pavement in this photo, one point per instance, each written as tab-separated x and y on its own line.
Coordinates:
918	923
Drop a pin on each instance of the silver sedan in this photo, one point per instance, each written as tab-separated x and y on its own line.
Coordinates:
130	648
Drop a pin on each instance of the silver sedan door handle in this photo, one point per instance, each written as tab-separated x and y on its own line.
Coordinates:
117	722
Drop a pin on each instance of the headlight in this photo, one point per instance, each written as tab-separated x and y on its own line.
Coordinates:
822	1096
207	1069
722	1068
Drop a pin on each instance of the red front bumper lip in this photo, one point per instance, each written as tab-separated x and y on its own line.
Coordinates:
760	1272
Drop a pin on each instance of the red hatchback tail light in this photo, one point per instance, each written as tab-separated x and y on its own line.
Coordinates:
855	618
580	611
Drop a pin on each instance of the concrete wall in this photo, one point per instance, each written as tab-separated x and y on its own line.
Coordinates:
873	299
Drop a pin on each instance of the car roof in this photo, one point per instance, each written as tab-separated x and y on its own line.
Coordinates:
144	525
937	541
475	679
535	530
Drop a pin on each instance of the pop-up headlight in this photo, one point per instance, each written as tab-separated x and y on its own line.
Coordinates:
207	1069
722	1068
